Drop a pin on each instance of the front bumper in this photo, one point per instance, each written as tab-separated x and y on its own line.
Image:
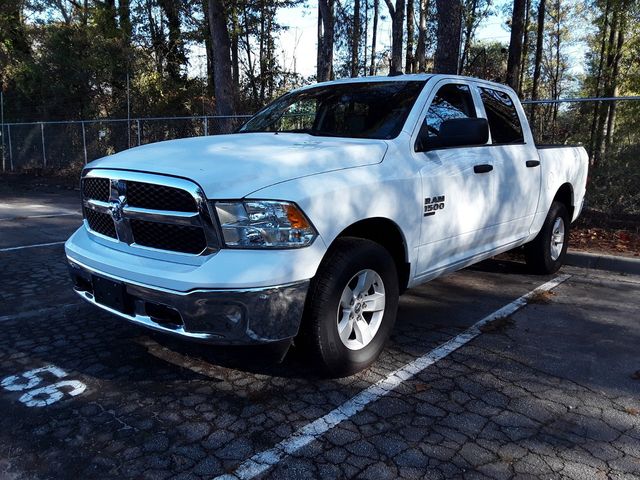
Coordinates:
219	316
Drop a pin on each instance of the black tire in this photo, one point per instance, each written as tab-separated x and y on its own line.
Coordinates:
319	338
538	251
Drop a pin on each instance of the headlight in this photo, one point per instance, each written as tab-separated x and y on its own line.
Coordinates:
264	224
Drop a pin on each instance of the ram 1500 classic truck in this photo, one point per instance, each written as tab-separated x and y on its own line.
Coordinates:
310	220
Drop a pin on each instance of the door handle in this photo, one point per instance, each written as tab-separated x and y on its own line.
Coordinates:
484	168
532	163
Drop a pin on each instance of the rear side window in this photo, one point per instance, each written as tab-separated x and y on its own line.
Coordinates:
452	101
502	115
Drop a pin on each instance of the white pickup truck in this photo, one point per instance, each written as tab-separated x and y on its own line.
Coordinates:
310	220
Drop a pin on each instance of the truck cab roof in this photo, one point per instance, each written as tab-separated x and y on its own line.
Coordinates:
404	78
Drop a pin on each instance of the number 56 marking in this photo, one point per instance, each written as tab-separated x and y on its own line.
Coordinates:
46	395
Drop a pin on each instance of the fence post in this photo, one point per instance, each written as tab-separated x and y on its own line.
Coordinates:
44	152
138	129
10	149
84	143
206	126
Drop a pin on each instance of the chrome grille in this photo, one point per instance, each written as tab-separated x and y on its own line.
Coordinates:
96	188
150	211
168	237
100	222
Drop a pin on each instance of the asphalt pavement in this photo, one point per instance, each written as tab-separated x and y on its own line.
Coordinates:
486	375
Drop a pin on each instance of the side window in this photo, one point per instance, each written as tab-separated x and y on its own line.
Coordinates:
502	115
451	101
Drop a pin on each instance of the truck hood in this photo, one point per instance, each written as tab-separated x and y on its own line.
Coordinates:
232	166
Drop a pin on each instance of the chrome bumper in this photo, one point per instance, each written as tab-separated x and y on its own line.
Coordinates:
225	317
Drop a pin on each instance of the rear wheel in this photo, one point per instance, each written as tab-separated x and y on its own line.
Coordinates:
546	253
351	307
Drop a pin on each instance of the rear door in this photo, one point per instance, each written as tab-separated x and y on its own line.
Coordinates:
516	165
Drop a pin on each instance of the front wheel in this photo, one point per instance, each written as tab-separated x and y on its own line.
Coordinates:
351	307
545	254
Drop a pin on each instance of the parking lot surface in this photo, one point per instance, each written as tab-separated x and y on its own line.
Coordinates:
550	391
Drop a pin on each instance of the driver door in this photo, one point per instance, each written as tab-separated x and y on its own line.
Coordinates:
458	186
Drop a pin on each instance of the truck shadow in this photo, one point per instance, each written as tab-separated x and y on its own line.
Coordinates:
428	315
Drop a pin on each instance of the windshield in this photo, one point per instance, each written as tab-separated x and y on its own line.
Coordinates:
356	110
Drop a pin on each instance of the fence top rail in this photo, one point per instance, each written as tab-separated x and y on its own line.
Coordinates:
582	99
131	120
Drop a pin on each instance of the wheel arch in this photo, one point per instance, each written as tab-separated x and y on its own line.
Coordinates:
387	233
566	196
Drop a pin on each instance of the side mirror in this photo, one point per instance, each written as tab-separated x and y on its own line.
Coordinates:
457	132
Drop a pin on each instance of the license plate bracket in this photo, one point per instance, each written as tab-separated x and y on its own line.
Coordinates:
110	293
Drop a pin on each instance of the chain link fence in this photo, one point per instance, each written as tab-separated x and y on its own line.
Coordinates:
607	127
55	146
610	135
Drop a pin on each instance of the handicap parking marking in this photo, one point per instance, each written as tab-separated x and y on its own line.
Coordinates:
262	461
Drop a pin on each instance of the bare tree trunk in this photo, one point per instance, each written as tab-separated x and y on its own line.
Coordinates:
221	47
235	67
376	7
515	44
124	17
209	50
557	85
421	48
271	51
325	40
262	57
155	33
598	151
613	92
599	71
397	25
525	46
468	21
538	62
365	62
410	57
250	71
355	39
449	26
175	56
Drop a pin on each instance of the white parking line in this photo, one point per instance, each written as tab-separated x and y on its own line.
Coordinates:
21	247
264	460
